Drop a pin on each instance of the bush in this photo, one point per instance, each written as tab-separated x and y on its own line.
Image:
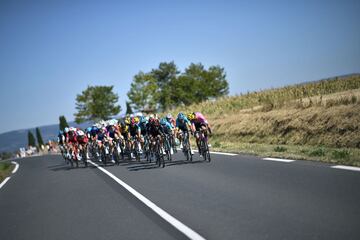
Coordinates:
280	149
341	154
317	153
4	166
217	144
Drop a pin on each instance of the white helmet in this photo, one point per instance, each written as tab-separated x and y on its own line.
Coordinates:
80	132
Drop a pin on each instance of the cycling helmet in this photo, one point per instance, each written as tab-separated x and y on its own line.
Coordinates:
191	116
113	122
152	121
61	132
181	116
136	120
66	130
163	121
143	120
122	124
169	116
133	121
151	116
127	120
88	129
80	132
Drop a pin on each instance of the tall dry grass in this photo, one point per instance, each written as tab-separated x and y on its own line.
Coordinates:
296	95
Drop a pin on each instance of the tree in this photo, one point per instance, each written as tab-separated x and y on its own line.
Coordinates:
207	84
143	92
164	75
96	103
31	139
128	109
39	137
164	88
63	123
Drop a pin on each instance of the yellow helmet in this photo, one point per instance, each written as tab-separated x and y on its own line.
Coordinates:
136	120
191	116
127	120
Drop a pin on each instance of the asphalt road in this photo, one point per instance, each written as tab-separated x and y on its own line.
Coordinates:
233	197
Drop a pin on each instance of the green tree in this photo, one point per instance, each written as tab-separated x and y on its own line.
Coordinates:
143	92
39	137
31	139
63	123
164	75
128	108
164	88
96	103
207	84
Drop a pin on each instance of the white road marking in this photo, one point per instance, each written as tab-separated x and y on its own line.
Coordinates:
220	153
167	217
3	183
278	160
16	167
346	168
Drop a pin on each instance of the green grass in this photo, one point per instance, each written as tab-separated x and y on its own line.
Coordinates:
5	170
345	156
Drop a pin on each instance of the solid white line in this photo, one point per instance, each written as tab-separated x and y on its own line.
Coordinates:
346	168
220	153
223	153
170	219
3	183
278	160
16	167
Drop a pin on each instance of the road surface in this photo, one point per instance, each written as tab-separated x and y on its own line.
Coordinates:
232	197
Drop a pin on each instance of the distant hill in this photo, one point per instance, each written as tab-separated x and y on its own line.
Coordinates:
13	140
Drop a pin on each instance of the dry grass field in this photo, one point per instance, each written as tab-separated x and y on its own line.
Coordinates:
316	121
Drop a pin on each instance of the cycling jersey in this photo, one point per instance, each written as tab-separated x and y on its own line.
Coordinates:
199	118
183	125
61	139
155	130
94	131
199	121
72	136
172	121
134	130
142	127
101	136
167	128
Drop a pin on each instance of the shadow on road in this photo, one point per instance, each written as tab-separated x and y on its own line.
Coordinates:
136	166
131	165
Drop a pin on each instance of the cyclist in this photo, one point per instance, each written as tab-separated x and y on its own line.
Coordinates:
199	123
71	140
61	142
134	132
142	125
183	124
170	119
155	131
82	141
169	131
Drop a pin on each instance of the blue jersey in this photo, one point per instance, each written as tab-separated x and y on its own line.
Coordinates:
184	124
168	125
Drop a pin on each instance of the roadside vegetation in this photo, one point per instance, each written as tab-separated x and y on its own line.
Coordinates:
315	121
5	170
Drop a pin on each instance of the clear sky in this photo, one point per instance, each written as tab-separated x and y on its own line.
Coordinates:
52	50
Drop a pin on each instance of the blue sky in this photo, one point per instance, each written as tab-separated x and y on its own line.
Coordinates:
52	50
